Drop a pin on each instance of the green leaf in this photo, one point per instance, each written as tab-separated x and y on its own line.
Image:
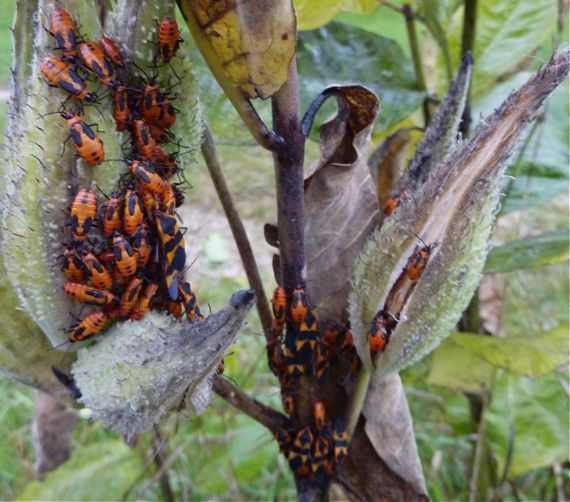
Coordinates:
313	14
458	369
534	413
376	62
532	356
532	252
102	471
508	31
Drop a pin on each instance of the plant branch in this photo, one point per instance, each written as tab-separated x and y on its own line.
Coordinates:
467	45
158	444
237	228
265	415
416	57
288	160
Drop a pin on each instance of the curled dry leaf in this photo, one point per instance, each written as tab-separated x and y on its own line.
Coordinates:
142	370
340	201
453	213
253	40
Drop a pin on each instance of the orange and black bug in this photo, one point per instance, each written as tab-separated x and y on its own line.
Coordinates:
111	219
72	265
417	262
96	273
142	246
133	212
295	366
340	441
172	244
150	203
107	256
88	327
86	143
63	29
279	306
168	164
167	115
88	295
319	414
159	134
303	344
275	358
61	75
321	361
144	140
321	451
95	60
112	51
300	452
168	38
179	196
299	307
125	258
83	213
189	302
149	179
174	308
287	399
152	102
379	334
121	110
131	295
391	204
143	304
168	199
284	438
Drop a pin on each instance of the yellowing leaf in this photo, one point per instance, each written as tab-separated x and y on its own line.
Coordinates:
252	40
312	14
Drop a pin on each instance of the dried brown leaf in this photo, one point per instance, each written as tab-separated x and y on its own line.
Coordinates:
340	199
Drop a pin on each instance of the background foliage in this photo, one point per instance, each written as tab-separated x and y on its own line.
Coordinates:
521	377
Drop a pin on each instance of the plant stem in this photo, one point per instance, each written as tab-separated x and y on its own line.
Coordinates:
358	400
416	57
265	415
237	228
288	159
164	480
467	45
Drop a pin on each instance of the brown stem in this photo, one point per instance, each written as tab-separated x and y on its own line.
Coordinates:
416	58
238	230
288	161
158	445
467	45
265	415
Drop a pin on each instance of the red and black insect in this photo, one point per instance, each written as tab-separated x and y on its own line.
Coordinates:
172	244
147	176
299	306
96	273
63	29
131	295
121	109
340	441
125	258
143	304
83	213
133	212
379	333
61	75
72	265
144	140
86	143
417	262
91	325
88	295
168	38
300	452
94	59
112	51
189	302
391	204
111	217
142	246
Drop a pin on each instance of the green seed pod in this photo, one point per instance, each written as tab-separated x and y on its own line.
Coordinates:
453	213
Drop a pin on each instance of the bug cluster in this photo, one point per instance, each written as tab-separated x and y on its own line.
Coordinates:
137	258
316	448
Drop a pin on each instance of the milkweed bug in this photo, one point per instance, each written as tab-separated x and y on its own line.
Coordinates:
72	265
275	359
340	441
189	302
150	203
167	164
95	60
391	204
111	219
295	366
279	306
125	259
379	333
284	438
147	176
171	240
300	452
321	361
287	399
299	307
319	414
133	213
151	103
96	274
141	246
143	304
88	295
144	140
168	38
61	75
121	110
159	134
86	143
168	199
83	213
174	308
63	29
321	451
88	327
130	296
417	262
167	115
112	51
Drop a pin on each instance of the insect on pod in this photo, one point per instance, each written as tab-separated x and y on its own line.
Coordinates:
60	74
96	273
168	38
112	51
72	265
121	110
143	304
172	244
86	143
94	59
141	246
300	452
189	302
144	140
130	296
91	325
88	295
133	212
299	307
149	179
83	213
111	219
125	259
63	29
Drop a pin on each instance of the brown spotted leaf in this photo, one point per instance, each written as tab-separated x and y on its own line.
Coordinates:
340	199
251	41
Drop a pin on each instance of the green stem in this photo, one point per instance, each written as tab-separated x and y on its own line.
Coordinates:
357	403
416	58
468	45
